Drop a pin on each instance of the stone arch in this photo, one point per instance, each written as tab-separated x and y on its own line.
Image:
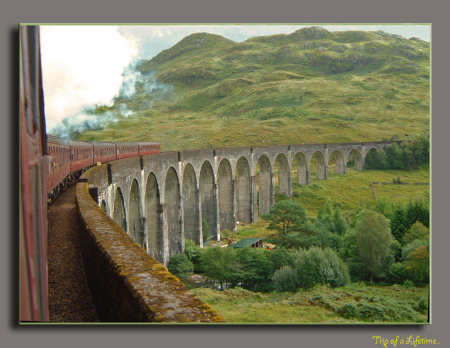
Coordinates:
153	223
302	168
119	212
321	171
208	197
266	184
135	218
173	212
284	175
356	155
243	191
191	206
373	150
337	158
225	184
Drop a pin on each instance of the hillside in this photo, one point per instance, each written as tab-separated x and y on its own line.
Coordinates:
309	86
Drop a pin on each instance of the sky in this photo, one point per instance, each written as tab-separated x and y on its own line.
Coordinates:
84	65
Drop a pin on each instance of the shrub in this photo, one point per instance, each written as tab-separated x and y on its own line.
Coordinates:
285	279
349	310
194	254
373	312
417	231
226	234
408	284
221	265
423	306
317	266
180	266
206	230
418	264
412	247
257	269
398	273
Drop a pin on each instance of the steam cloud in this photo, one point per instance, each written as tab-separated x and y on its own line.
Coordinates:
137	93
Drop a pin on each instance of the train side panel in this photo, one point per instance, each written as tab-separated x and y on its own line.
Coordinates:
149	148
104	152
126	150
33	182
59	166
82	155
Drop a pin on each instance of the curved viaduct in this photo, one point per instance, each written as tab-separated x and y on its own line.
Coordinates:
161	199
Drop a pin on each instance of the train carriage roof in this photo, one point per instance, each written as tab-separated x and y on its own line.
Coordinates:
103	144
126	144
53	140
148	143
76	143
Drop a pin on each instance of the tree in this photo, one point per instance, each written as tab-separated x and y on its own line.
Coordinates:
193	253
375	159
286	216
257	269
398	223
394	156
417	231
285	279
417	211
280	257
410	247
373	238
289	219
331	216
418	263
180	266
221	265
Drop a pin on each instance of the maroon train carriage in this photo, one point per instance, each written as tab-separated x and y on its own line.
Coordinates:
104	152
59	166
125	150
33	182
82	156
149	148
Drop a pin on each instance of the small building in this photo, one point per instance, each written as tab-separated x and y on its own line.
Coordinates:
252	242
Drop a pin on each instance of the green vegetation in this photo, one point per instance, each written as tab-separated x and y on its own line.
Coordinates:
318	270
351	304
373	239
408	155
309	86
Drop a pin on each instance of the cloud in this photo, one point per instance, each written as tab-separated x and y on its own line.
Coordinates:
82	65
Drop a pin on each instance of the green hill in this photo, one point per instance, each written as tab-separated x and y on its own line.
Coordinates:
309	86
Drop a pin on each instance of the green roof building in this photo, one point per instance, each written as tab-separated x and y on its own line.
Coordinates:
252	242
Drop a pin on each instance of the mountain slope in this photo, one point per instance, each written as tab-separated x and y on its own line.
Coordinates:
309	86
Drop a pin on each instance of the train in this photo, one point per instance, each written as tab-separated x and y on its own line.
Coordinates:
69	158
47	165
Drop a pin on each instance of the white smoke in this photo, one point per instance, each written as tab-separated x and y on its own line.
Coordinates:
93	118
85	121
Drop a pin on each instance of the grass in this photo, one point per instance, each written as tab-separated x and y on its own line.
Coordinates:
353	189
321	305
277	90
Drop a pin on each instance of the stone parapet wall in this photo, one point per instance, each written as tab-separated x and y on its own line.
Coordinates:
127	284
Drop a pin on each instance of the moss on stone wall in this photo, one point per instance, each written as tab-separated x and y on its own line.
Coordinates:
127	284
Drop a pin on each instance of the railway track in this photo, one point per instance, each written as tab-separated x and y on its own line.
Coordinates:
69	297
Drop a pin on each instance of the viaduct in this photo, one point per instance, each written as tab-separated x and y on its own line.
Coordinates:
160	200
